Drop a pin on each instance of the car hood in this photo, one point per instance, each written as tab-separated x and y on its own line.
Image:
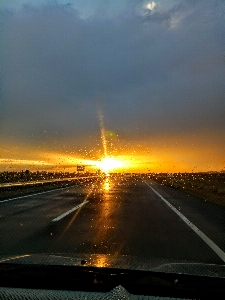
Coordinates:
124	262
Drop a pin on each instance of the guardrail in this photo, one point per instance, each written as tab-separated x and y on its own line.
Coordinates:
41	182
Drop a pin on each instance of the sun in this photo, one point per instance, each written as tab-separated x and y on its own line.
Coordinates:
108	164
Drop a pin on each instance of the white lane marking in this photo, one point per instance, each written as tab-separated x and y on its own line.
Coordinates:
69	212
204	237
26	196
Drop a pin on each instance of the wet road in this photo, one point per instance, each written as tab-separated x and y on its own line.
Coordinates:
115	216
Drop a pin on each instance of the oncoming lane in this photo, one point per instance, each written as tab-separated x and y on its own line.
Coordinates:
21	217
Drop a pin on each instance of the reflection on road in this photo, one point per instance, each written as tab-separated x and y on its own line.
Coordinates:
106	184
100	261
101	196
104	239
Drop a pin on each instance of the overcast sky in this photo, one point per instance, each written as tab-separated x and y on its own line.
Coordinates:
155	70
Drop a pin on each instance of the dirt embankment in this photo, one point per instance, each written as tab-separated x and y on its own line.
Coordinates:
209	186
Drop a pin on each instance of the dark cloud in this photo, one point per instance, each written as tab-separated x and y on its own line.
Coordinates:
152	72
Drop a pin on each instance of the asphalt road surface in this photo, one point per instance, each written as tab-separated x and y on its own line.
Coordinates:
131	216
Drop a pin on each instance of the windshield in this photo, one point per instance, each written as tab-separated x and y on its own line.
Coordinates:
112	133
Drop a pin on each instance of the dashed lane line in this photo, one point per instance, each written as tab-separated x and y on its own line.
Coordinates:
69	212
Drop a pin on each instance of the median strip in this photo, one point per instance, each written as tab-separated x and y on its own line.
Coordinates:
204	237
69	212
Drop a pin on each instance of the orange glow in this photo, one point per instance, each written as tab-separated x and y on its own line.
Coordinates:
106	184
101	261
189	153
8	161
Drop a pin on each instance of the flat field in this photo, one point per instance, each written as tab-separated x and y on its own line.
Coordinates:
209	186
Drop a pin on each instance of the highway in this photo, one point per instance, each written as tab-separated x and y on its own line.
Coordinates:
129	216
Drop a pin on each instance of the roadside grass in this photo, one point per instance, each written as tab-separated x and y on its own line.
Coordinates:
208	186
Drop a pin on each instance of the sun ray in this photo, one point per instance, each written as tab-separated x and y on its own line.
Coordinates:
103	132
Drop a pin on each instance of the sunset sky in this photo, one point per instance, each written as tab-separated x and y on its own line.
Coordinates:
145	77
